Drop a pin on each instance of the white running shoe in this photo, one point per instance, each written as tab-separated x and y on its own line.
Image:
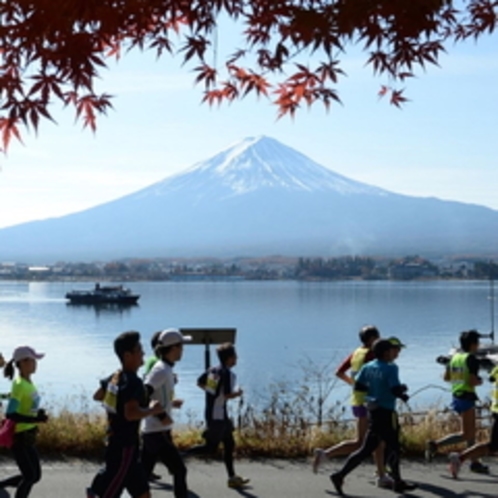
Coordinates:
318	458
455	464
385	482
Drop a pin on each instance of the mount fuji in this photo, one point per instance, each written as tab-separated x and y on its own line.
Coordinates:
258	197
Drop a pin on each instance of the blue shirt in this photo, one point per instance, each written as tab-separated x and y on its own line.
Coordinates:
379	377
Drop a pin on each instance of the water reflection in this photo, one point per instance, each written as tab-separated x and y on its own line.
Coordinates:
104	308
278	323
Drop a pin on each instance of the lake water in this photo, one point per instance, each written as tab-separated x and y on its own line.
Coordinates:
279	325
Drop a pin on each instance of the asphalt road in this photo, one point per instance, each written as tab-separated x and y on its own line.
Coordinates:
271	479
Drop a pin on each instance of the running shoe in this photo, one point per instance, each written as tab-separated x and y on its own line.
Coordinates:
385	482
402	486
455	464
337	481
430	451
237	482
479	468
318	458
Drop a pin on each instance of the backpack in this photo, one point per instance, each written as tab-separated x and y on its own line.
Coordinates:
7	431
210	380
110	401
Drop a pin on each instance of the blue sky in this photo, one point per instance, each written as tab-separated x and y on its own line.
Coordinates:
444	143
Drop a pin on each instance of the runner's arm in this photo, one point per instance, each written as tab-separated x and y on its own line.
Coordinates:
99	394
228	382
133	411
361	382
12	414
342	369
202	381
473	366
447	374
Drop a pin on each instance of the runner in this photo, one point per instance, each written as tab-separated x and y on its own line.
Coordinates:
157	436
124	397
24	409
380	381
397	346
463	373
220	385
368	335
481	449
152	360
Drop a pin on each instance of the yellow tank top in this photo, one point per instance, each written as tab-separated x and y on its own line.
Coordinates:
357	361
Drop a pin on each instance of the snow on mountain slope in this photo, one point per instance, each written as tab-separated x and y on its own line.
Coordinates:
256	198
258	163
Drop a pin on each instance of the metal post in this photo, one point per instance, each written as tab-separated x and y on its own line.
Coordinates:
207	355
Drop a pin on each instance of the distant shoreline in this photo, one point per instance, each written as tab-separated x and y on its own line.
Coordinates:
319	269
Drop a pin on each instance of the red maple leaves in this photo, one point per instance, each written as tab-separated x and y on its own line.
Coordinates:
290	51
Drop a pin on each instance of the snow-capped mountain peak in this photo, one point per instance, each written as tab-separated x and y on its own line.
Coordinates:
256	198
261	163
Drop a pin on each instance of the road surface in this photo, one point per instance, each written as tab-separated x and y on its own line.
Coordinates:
270	479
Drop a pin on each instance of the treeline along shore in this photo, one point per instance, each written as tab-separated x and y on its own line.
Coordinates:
269	268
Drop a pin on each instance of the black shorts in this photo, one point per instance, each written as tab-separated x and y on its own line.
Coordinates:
218	431
493	441
122	470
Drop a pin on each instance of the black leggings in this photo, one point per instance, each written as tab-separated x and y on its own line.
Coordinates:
383	426
218	431
28	461
160	446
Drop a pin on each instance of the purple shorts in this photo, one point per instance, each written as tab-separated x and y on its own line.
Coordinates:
360	411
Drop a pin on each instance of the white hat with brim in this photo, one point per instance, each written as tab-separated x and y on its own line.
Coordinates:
24	352
170	337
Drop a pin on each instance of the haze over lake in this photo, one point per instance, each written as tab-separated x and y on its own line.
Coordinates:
278	324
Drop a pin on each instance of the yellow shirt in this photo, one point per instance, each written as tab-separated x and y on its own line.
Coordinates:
24	399
357	361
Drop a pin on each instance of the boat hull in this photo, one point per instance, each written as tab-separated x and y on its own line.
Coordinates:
91	299
104	295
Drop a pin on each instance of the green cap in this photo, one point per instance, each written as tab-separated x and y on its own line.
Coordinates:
396	342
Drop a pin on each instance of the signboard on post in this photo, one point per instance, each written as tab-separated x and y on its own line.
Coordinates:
208	336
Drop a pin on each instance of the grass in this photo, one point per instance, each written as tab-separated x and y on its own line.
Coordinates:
270	432
288	422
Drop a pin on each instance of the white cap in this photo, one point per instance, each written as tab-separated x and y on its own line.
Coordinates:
169	337
23	352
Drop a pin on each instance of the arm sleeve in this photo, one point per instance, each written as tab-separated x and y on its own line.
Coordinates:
14	400
13	406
